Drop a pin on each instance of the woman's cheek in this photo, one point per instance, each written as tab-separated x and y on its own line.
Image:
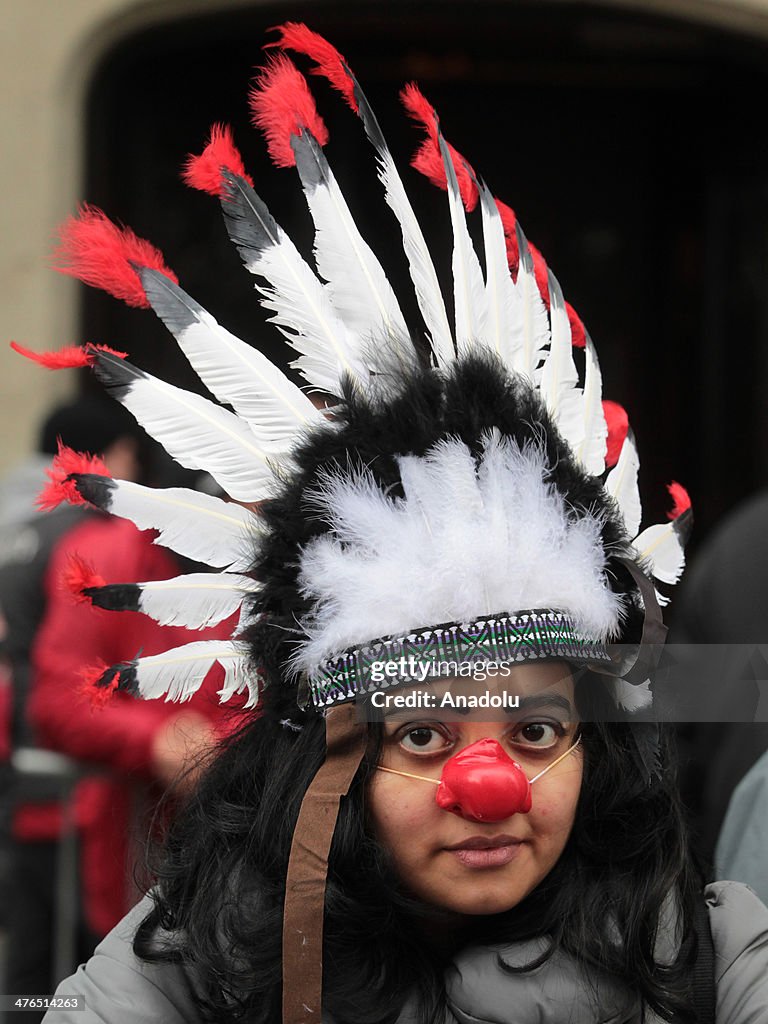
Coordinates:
555	801
403	816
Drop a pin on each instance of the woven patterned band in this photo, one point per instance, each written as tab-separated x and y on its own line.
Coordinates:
391	661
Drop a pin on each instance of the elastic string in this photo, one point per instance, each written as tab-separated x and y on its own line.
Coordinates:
436	782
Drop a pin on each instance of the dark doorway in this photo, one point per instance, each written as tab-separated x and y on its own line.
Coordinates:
626	143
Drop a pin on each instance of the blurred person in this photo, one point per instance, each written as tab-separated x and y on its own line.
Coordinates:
28	535
27	538
723	601
742	847
50	638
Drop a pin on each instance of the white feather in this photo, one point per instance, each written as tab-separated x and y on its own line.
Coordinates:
260	393
464	541
559	378
422	269
420	264
591	451
621	484
196	432
504	327
179	673
218	533
196	600
629	696
534	312
468	286
660	546
300	302
360	292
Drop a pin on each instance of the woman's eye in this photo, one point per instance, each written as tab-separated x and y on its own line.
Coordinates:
538	734
422	740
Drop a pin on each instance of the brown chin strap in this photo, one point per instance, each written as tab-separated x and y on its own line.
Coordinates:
303	913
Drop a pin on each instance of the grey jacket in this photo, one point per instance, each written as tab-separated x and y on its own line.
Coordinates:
119	989
742	849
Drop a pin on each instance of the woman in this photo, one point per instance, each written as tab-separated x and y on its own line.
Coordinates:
457	533
598	845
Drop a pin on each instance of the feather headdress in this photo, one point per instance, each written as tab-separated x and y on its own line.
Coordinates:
488	499
478	506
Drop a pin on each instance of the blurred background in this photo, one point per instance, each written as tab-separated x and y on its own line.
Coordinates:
624	134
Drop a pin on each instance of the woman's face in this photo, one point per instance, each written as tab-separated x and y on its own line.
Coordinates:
437	854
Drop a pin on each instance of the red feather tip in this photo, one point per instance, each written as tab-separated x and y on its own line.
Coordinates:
60	488
578	331
540	273
509	223
428	160
617	422
97	685
329	62
78	576
282	106
681	499
98	252
220	153
66	358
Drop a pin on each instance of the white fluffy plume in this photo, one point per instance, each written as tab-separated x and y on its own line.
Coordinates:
466	540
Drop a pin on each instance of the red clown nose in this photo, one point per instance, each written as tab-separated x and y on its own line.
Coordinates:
483	783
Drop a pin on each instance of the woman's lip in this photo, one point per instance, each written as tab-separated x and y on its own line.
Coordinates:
487	856
484	843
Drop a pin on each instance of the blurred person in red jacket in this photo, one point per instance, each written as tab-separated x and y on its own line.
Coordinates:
136	749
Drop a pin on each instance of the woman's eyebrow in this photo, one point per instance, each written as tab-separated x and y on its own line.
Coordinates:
544	700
